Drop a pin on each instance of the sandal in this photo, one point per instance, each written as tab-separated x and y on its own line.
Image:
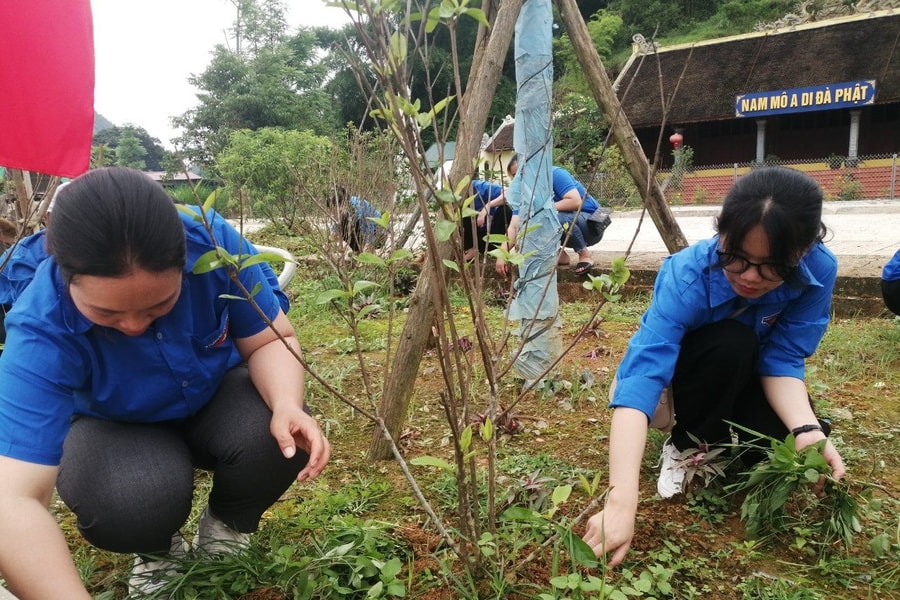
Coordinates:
583	268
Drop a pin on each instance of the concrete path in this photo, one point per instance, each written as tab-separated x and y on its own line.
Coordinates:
864	235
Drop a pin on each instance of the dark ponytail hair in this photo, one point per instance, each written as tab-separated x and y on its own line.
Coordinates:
111	221
786	202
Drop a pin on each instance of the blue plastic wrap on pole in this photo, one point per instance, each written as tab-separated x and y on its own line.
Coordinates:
536	303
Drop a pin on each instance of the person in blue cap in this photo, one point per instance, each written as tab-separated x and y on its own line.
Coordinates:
124	371
730	325
890	284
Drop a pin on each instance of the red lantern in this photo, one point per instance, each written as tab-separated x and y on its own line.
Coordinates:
676	139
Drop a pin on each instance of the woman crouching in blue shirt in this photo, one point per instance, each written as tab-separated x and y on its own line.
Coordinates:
730	324
123	372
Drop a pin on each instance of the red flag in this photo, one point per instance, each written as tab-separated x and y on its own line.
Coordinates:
46	85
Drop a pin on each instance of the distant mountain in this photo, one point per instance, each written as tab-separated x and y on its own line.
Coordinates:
101	123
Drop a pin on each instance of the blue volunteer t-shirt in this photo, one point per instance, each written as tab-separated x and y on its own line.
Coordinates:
56	363
563	182
485	191
19	263
690	292
364	210
891	271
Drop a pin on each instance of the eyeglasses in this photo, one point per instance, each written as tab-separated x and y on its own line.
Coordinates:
737	264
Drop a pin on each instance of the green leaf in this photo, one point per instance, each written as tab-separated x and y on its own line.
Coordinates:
431	461
444	229
210	202
560	494
451	264
367	258
400	254
187	210
468	211
366	310
478	15
519	513
465	438
487	430
880	545
462	185
341	550
383	221
214	259
248	260
329	295
434	18
362	286
444	196
375	590
391	568
232	297
581	553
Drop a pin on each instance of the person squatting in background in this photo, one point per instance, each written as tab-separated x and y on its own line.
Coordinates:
583	219
147	371
890	284
492	219
730	324
353	221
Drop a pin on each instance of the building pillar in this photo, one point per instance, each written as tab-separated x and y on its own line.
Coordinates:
853	148
760	141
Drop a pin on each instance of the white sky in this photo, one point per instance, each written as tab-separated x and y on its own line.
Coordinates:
146	49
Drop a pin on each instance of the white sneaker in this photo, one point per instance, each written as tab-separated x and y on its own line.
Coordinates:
671	473
215	537
149	576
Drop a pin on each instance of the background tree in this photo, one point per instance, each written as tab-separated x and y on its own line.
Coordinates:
129	152
278	174
269	80
106	142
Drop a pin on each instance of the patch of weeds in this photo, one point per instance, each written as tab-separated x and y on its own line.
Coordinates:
760	587
780	499
343	561
520	464
858	350
709	504
355	498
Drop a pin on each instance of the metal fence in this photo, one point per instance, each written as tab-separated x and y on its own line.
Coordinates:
873	177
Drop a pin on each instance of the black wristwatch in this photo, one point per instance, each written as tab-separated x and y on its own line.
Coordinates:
806	428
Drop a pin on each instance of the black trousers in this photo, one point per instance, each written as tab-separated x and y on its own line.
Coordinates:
890	291
716	381
473	235
131	485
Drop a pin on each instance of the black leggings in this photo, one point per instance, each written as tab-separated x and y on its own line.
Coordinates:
131	485
716	381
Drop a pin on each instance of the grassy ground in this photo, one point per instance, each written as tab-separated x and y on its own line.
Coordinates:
360	532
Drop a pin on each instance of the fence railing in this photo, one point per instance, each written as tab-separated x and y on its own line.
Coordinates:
872	177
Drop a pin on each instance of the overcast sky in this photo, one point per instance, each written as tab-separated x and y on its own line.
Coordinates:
146	49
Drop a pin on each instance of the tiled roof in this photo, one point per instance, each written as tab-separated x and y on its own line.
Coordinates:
502	139
710	75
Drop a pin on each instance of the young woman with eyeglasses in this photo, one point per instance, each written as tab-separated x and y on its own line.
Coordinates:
731	323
